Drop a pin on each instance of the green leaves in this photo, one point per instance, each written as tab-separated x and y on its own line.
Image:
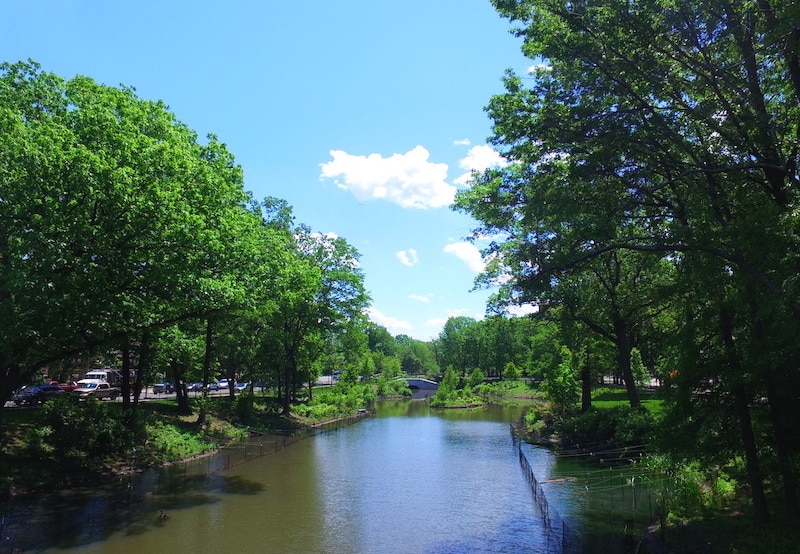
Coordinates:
664	134
113	219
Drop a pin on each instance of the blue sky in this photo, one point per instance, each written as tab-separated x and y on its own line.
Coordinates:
365	115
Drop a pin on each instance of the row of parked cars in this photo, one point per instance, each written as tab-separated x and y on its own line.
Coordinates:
38	394
167	388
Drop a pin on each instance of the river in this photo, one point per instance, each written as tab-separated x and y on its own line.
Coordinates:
409	479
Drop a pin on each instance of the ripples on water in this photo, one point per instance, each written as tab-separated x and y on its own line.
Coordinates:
428	483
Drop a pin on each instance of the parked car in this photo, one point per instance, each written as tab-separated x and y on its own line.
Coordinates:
66	387
97	390
161	388
223	384
194	387
36	394
242	386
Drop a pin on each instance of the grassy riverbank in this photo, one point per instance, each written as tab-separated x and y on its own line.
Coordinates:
66	442
694	506
496	392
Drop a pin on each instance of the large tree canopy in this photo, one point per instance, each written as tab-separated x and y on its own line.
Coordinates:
647	127
659	127
113	218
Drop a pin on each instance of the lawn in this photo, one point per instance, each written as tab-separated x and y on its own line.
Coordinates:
608	397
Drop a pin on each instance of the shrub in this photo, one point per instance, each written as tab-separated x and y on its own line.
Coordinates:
475	378
169	444
511	371
534	423
244	407
392	387
693	490
620	426
561	385
37	440
89	428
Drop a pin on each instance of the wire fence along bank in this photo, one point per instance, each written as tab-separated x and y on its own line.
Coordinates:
623	502
560	534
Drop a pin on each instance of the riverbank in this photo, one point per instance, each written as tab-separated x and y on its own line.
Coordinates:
352	490
54	447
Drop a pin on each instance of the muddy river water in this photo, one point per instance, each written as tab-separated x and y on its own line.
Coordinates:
408	479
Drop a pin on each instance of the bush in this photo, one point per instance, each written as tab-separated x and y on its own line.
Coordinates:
511	371
693	490
88	428
168	443
619	426
475	378
244	407
561	385
534	422
37	440
392	387
337	401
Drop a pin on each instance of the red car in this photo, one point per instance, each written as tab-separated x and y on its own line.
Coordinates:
66	387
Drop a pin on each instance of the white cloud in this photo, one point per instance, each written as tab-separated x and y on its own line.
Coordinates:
393	325
482	157
532	70
519	311
410	180
408	257
436	323
420	298
479	158
462	142
468	253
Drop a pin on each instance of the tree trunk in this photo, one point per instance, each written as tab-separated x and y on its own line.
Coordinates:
201	416
586	388
231	376
11	378
143	367
624	346
757	495
181	396
126	377
287	385
781	447
776	411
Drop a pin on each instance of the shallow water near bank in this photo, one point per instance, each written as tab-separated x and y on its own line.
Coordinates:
408	479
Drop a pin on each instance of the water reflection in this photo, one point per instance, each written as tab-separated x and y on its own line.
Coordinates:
408	480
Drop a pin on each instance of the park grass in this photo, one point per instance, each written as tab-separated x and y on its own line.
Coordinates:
610	397
518	389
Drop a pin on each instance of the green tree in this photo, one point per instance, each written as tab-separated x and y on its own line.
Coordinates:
561	385
668	128
511	371
113	218
459	344
323	299
416	357
640	372
380	340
